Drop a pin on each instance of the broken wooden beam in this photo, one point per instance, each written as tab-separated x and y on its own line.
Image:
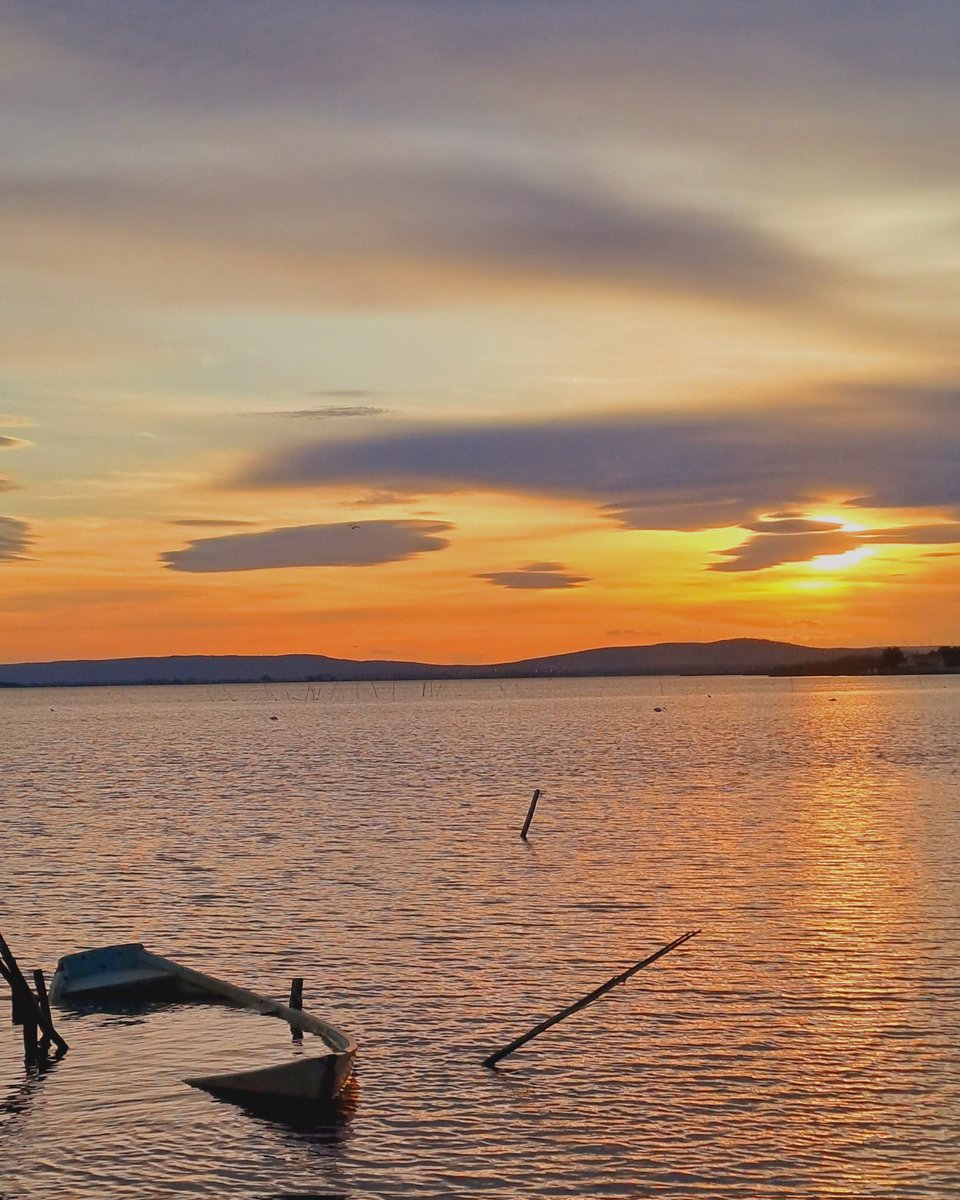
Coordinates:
493	1059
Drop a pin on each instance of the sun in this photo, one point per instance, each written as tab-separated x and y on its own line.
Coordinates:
841	562
848	558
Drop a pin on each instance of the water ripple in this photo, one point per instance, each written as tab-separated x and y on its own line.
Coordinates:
803	1045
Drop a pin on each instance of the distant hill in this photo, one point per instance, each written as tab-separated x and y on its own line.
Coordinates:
737	656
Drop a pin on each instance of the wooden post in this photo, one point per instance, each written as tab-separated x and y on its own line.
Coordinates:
296	1001
40	985
493	1059
26	1006
530	811
31	1049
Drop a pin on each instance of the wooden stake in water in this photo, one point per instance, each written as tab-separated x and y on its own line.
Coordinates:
296	1001
530	811
28	1010
40	986
493	1059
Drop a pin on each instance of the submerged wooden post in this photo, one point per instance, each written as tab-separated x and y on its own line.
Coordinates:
40	986
493	1059
28	1022
530	811
28	1010
296	1001
22	1014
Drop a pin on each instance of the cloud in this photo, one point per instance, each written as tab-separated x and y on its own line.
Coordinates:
14	539
380	498
6	485
395	230
329	412
208	522
680	73
774	548
641	153
12	443
343	394
795	523
367	543
544	575
942	534
894	447
12	421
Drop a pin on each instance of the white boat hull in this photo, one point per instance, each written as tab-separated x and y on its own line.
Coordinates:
129	968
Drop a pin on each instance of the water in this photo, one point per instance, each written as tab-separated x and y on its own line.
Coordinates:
805	1044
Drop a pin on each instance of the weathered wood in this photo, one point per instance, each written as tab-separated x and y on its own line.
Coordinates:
40	987
493	1059
338	1041
31	1047
296	1003
530	811
27	1006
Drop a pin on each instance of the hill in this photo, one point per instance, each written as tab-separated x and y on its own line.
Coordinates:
737	656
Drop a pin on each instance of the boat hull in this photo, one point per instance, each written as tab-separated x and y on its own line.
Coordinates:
131	969
311	1080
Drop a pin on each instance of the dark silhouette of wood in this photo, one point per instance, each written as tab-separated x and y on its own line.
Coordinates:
40	987
28	1010
296	1001
493	1059
530	811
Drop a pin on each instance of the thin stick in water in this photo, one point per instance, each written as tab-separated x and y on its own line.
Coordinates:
530	811
493	1059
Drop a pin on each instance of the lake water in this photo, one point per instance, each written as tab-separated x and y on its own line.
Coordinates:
805	1044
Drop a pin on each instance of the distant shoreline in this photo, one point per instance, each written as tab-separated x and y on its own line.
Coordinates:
137	683
734	657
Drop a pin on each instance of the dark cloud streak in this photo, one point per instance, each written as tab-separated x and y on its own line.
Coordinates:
774	549
329	412
367	543
14	539
544	576
445	226
654	470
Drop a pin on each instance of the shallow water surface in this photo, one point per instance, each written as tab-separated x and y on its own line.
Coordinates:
804	1044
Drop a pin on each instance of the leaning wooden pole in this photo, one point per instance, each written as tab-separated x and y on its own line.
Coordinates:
28	1009
530	811
493	1059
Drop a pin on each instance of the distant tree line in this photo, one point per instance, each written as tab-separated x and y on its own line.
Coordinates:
891	661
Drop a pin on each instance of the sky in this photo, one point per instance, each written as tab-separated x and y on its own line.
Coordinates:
471	331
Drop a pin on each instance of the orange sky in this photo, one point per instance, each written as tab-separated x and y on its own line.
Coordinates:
470	333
